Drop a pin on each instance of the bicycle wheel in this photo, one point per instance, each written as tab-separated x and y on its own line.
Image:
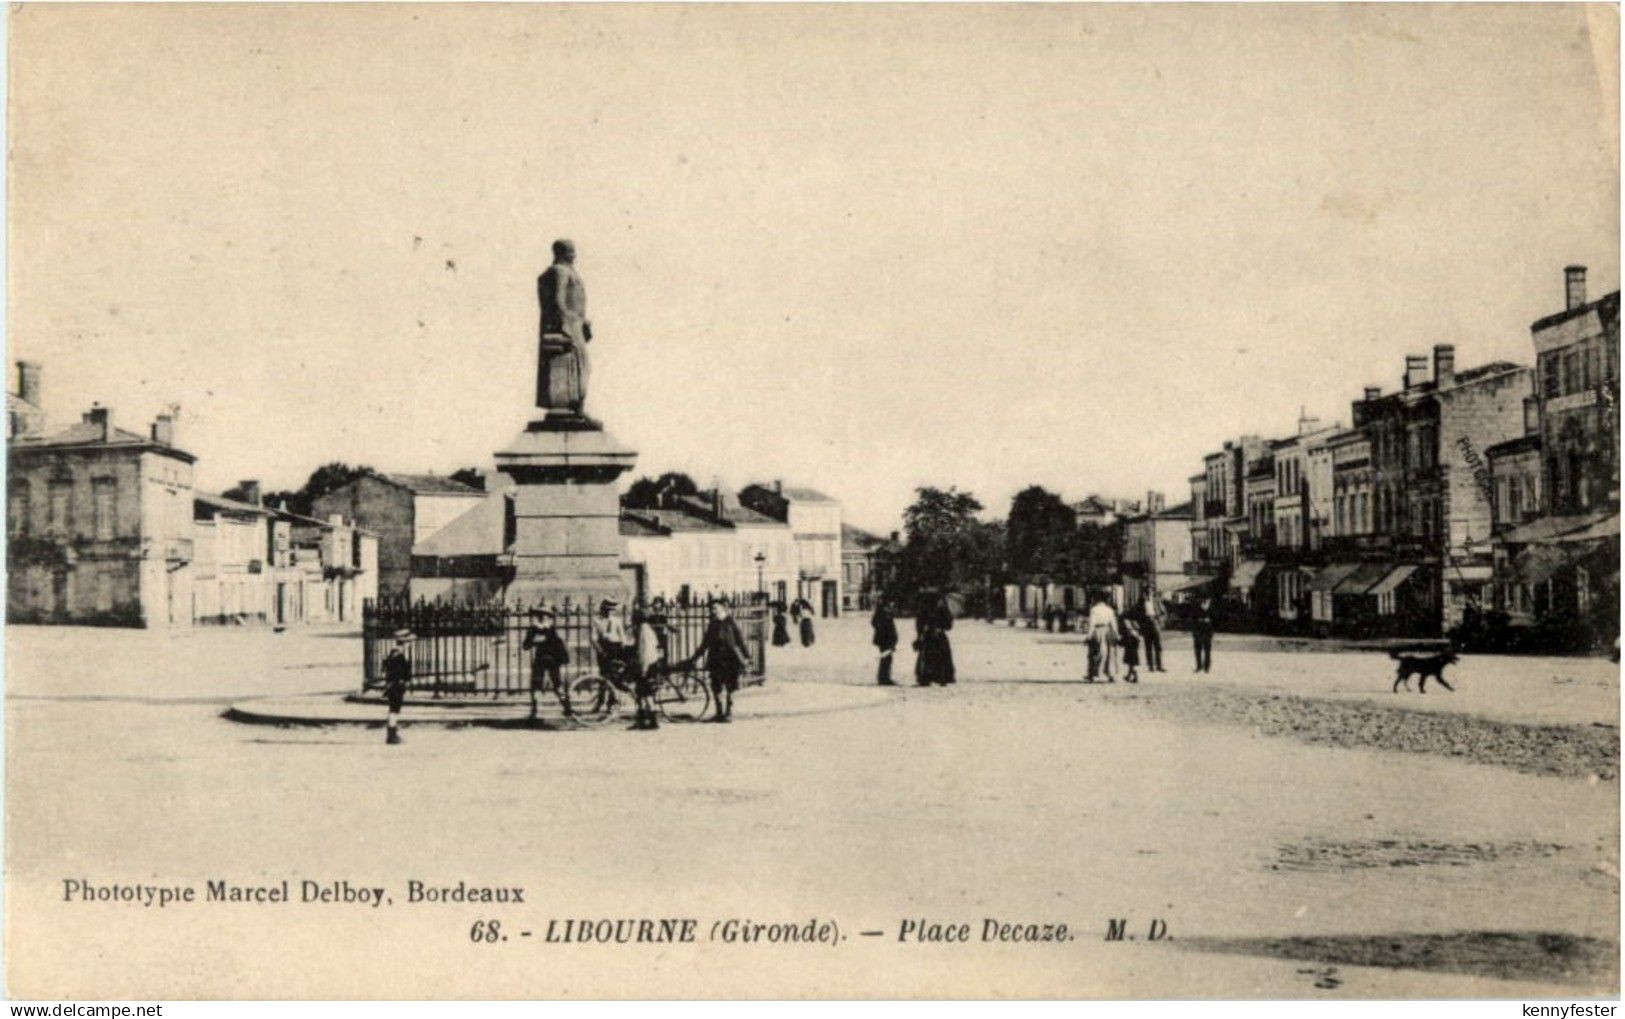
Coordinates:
593	700
683	697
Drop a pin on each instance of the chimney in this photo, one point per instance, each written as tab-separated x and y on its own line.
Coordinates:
1444	364
1574	286
28	373
1416	370
163	429
250	491
102	417
778	486
1373	392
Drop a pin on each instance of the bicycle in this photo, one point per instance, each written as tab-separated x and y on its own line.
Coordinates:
600	698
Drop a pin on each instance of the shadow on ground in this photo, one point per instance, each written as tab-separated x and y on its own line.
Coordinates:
1508	955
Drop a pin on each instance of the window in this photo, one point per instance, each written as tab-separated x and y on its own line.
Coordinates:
1551	384
106	508
1571	371
61	493
17	510
104	590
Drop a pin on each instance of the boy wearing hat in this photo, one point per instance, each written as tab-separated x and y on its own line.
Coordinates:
397	676
609	635
548	657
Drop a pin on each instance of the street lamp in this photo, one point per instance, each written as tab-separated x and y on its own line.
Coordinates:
761	560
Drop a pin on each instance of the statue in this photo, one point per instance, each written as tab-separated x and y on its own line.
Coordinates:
561	371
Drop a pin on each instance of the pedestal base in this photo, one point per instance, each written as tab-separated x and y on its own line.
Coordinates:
567	538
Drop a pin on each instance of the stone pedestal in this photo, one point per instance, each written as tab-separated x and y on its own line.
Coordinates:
567	535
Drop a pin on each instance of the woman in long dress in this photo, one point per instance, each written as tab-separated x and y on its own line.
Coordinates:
935	663
781	628
806	624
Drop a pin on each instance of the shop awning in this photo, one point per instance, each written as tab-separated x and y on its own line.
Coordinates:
1396	576
1246	574
1188	583
1608	527
1549	528
1330	576
1539	563
1363	579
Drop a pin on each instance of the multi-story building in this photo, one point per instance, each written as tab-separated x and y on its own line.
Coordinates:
401	510
1577	400
815	522
866	561
1155	547
1556	511
100	525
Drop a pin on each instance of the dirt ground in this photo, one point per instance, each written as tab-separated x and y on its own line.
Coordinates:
1294	828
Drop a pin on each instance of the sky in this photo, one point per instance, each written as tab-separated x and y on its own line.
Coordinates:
859	248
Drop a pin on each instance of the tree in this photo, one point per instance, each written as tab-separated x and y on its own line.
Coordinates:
649	493
948	549
473	477
1038	531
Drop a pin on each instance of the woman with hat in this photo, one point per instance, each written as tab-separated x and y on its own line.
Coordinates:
397	677
548	657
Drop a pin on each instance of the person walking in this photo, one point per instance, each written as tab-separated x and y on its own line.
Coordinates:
885	639
807	635
1103	631
725	654
548	657
1150	620
1129	634
935	661
781	629
1202	634
397	677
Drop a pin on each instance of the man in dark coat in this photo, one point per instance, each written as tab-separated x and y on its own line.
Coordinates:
725	654
548	657
885	639
397	677
1202	634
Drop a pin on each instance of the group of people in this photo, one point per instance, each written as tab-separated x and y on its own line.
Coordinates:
800	612
934	654
638	657
1110	637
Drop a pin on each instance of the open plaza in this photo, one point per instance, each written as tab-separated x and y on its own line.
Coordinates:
1283	827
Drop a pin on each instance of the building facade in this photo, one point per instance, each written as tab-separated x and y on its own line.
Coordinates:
401	510
100	525
815	523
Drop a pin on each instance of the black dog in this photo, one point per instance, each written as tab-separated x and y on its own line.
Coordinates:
1421	666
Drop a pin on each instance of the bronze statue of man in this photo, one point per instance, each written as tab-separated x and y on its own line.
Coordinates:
561	374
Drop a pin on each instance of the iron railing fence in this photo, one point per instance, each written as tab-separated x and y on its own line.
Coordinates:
477	649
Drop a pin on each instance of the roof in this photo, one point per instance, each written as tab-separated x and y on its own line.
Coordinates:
1606	307
635	527
89	433
1486	370
481	530
732	512
1184	509
805	495
670	521
225	505
856	539
430	484
1522	444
